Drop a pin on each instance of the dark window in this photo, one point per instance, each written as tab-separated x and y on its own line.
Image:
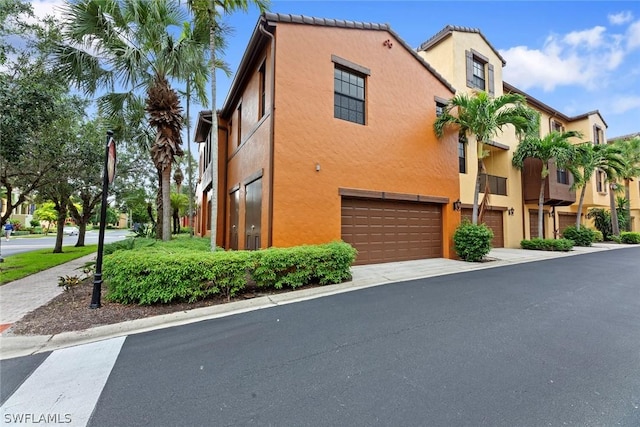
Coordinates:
478	74
440	108
497	184
462	154
557	126
598	137
348	99
239	120
563	176
263	91
600	181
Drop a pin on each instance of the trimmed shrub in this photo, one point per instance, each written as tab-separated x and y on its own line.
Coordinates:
34	223
472	242
630	237
583	237
301	265
157	275
598	236
615	239
563	245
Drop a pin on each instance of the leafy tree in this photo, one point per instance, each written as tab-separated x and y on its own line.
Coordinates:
630	169
589	158
46	212
87	180
208	14
179	203
138	51
554	146
484	117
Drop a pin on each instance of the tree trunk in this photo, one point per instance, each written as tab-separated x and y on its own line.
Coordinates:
476	192
159	208
166	204
579	214
214	130
62	217
541	207
615	227
82	227
627	209
189	161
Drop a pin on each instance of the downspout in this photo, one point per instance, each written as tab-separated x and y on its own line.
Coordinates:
272	130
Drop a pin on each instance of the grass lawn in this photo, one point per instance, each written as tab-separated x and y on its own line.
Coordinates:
23	264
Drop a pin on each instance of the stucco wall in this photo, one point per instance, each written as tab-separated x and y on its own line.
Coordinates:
396	151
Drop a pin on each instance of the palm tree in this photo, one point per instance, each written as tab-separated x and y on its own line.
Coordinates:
589	158
554	146
630	168
483	117
130	44
208	13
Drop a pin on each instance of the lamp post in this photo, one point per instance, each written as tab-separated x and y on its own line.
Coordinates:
109	174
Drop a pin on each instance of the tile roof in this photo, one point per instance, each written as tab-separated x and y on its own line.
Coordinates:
448	30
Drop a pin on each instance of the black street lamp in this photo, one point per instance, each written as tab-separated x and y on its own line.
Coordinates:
109	173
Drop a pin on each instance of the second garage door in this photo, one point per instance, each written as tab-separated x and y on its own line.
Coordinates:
494	220
389	230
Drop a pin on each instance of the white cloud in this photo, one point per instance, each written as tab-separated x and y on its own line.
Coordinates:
625	103
620	18
591	38
633	36
586	58
43	8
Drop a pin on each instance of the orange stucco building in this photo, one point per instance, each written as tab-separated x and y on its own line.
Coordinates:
326	134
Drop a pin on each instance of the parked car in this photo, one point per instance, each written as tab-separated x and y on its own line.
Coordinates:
70	230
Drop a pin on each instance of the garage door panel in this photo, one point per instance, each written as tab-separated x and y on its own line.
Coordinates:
385	231
495	221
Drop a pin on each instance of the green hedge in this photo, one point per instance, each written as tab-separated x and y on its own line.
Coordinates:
564	245
583	237
301	265
185	270
630	237
472	242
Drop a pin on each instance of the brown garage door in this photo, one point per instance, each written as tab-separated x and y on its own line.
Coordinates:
533	224
388	230
565	220
494	220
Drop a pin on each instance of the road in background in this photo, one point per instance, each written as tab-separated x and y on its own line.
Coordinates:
19	244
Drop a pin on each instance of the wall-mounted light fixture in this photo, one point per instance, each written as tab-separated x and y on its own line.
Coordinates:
317	167
511	211
457	205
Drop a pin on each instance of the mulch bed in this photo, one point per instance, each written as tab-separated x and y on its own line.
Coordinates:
70	311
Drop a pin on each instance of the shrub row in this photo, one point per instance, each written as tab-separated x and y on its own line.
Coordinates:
563	245
630	237
163	273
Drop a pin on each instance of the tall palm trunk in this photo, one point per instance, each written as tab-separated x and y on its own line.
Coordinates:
541	207
580	203
213	166
476	193
190	159
615	227
164	110
627	208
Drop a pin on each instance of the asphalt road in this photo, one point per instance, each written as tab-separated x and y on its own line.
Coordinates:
19	244
549	343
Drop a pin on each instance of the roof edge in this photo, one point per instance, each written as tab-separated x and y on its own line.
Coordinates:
448	30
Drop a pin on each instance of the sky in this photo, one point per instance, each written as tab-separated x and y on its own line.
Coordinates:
575	56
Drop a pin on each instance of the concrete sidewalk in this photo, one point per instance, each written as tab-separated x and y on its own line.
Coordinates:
22	296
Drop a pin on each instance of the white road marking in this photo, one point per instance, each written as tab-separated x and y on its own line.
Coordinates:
65	388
